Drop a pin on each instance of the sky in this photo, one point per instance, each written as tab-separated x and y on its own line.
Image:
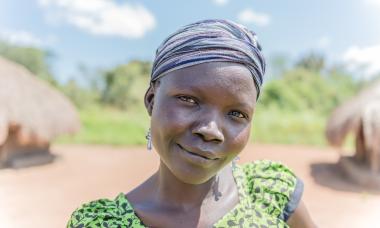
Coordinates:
105	33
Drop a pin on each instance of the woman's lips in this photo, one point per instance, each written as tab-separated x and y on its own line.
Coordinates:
200	154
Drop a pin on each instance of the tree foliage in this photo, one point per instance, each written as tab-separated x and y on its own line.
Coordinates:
34	59
312	62
81	97
124	85
304	88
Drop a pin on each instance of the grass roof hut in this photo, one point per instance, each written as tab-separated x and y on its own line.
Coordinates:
361	116
32	113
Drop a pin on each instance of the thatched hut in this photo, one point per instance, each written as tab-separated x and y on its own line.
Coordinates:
32	113
360	116
347	117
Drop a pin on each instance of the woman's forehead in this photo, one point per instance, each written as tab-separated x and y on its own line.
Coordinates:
222	78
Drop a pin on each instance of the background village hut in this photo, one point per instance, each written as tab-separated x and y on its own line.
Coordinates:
32	113
361	116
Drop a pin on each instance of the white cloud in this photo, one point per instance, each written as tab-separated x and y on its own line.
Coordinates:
373	2
365	59
21	38
220	2
323	42
102	17
249	16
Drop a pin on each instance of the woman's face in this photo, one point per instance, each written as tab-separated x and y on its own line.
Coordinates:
201	118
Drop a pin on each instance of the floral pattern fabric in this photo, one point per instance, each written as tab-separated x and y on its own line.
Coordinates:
265	189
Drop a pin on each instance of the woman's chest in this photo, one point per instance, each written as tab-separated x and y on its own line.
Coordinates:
205	216
241	215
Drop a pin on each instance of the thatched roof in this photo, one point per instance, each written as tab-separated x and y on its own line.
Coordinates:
346	117
33	107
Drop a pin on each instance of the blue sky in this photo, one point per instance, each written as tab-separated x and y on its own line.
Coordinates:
104	33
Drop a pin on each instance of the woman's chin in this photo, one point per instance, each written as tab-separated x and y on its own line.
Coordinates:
193	177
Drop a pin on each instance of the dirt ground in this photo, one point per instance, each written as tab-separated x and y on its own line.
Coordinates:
45	196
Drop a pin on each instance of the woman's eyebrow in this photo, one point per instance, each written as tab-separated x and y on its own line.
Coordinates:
244	106
192	88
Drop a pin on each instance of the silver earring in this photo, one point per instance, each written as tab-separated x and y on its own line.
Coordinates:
149	140
236	159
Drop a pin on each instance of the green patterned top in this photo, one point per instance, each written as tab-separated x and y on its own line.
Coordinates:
268	193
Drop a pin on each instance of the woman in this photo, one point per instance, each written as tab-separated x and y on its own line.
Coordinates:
205	82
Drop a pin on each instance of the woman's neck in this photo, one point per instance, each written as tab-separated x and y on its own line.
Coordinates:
173	193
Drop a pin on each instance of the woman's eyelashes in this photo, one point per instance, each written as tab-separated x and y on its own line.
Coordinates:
187	99
238	114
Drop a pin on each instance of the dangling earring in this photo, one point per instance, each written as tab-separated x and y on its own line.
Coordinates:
234	161
149	142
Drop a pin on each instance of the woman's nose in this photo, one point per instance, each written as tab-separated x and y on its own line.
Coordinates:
209	131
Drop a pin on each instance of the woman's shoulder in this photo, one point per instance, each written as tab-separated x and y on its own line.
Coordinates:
273	183
267	169
105	213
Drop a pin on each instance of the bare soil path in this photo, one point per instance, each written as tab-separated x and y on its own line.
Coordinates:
45	196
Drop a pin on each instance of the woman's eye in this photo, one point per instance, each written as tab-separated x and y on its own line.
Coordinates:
187	99
237	114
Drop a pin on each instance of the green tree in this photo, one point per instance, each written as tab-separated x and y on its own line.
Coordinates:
312	61
81	97
124	86
301	89
34	59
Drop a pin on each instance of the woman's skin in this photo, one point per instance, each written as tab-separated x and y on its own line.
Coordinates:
200	121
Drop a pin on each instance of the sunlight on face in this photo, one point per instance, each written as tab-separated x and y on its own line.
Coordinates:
201	118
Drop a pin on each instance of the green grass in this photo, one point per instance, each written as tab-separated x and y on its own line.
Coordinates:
109	126
281	127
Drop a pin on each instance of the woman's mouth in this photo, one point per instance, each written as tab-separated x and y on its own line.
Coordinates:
199	157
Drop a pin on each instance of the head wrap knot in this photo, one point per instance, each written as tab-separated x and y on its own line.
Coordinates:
210	41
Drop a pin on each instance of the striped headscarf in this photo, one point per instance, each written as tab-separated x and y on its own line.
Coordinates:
210	41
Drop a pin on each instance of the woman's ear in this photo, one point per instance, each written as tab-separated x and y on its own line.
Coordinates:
149	97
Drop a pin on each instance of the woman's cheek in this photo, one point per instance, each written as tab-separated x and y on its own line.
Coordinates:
179	118
241	138
172	115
